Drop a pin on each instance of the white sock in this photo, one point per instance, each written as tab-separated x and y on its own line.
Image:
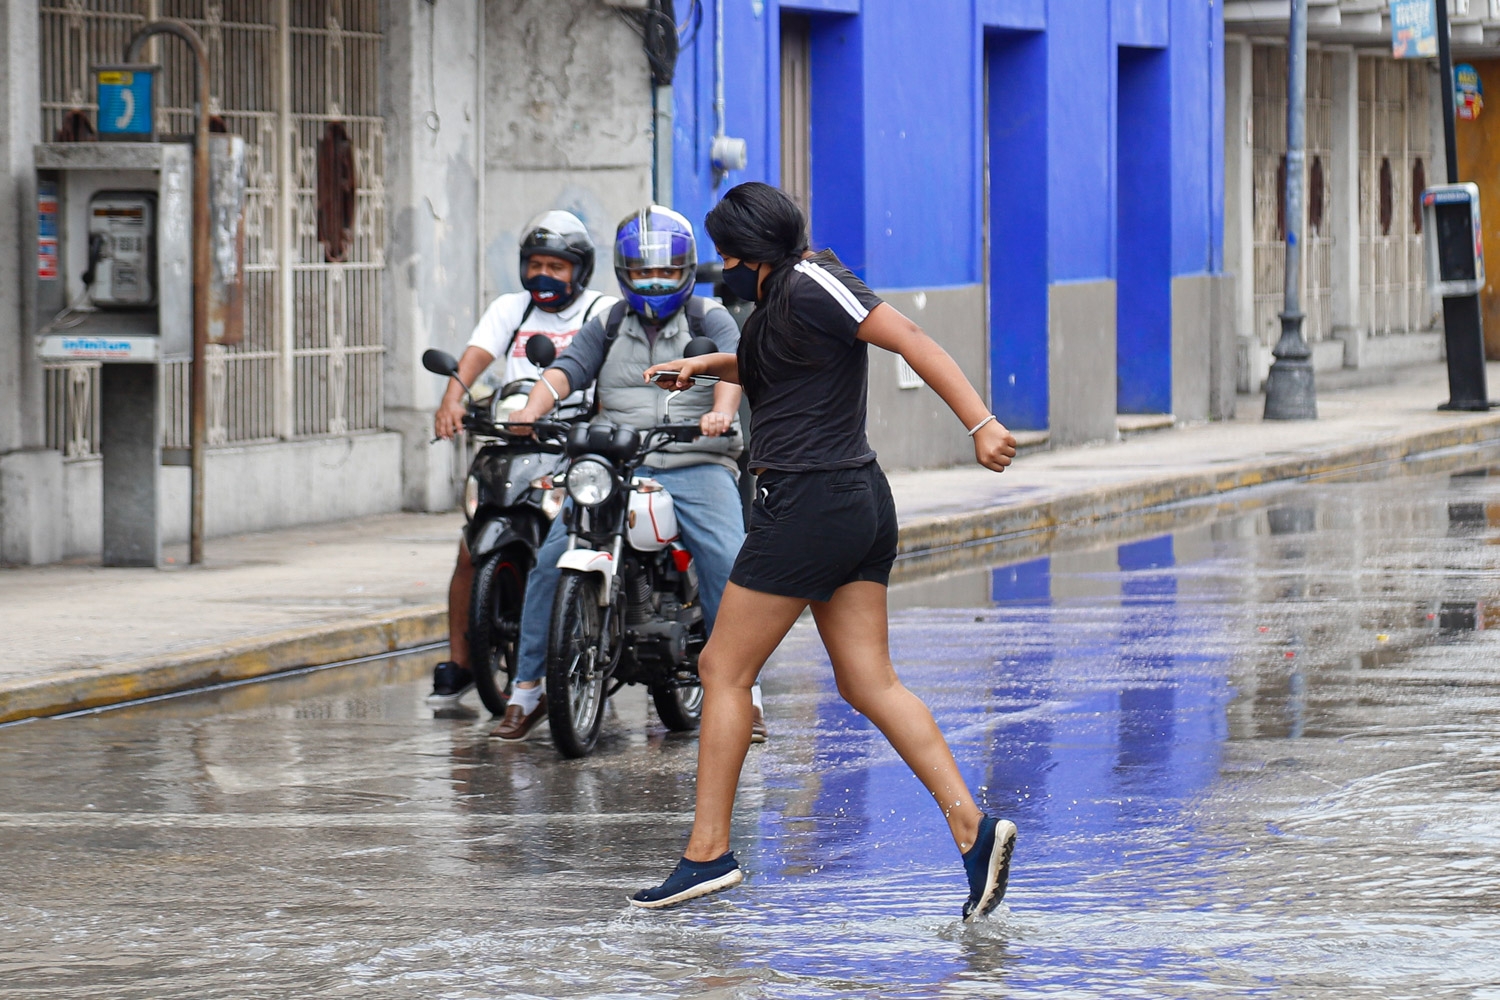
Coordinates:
755	698
526	698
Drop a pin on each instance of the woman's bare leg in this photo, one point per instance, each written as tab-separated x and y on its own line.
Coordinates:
749	627
853	626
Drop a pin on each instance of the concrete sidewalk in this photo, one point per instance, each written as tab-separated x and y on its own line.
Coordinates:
78	636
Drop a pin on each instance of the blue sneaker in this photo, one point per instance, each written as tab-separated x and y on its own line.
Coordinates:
689	880
988	866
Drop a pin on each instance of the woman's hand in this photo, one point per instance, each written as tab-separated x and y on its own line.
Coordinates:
685	368
449	419
713	423
994	446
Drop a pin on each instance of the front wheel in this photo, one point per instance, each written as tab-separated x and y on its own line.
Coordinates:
576	664
494	624
679	702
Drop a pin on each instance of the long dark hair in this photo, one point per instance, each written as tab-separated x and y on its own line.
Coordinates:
759	224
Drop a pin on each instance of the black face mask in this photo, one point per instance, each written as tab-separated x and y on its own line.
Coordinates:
743	280
547	292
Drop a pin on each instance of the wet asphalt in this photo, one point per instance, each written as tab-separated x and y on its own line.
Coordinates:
1257	755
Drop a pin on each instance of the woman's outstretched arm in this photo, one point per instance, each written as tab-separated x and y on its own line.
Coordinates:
886	327
723	364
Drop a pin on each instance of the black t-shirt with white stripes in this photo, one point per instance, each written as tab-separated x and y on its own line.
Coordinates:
812	416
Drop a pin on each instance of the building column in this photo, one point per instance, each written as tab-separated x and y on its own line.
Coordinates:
1343	208
1239	199
432	181
31	490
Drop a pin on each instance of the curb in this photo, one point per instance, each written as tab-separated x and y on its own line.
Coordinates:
931	536
925	545
237	660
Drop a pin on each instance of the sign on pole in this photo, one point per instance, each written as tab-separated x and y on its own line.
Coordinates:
1413	29
126	94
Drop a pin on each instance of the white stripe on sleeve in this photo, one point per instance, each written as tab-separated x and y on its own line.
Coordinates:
833	286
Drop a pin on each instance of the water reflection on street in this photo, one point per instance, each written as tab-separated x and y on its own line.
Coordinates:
1255	756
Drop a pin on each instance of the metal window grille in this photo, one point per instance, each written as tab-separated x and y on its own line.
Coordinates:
280	71
1393	137
1269	131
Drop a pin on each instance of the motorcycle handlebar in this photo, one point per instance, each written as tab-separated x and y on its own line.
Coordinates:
545	431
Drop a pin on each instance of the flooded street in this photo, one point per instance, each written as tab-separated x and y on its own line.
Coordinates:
1258	755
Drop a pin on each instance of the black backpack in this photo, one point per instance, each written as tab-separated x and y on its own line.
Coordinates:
696	308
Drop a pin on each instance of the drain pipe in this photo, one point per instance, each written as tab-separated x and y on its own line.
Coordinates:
726	154
661	152
718	70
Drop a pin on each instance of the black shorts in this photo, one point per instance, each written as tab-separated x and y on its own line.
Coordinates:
812	532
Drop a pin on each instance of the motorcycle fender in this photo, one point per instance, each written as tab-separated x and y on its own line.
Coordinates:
488	536
591	561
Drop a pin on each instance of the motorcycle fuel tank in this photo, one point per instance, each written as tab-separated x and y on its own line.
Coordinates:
652	521
506	475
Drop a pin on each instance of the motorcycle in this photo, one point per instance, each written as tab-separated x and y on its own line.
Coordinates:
509	505
627	608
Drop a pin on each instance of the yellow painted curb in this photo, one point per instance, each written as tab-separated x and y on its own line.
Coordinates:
992	524
242	659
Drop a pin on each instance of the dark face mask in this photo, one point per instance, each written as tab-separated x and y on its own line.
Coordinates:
743	280
547	292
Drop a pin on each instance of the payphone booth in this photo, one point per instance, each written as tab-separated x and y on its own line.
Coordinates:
114	285
1455	246
1455	273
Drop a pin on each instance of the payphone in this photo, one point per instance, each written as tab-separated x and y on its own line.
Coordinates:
122	244
1455	246
113	285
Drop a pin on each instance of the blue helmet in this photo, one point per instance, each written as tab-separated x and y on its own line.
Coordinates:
660	241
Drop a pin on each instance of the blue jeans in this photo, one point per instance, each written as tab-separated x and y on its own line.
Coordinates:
707	501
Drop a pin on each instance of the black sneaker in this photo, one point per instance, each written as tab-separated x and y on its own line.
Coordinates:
449	682
689	880
988	866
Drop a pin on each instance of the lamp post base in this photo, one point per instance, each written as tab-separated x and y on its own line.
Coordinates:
1289	390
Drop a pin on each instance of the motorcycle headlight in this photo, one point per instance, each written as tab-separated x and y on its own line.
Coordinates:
503	406
471	497
590	482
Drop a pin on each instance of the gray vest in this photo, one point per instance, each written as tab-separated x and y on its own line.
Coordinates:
626	398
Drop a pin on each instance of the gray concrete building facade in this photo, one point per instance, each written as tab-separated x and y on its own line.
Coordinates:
461	121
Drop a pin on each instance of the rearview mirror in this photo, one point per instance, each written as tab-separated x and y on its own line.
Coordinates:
439	362
540	350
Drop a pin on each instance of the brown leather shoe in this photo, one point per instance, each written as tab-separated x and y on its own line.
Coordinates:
516	725
758	726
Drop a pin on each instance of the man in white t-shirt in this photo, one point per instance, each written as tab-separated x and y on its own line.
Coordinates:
557	260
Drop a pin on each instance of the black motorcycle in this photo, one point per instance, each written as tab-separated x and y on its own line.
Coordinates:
509	505
627	608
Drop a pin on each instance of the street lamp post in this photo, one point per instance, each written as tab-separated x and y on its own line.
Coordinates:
1290	393
198	386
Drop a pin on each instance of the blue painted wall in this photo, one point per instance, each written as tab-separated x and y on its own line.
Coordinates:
1017	127
839	138
1144	233
899	141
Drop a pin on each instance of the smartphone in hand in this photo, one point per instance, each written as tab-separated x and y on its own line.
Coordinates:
668	380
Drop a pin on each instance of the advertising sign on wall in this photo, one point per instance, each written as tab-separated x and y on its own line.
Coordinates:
1413	29
46	230
1468	92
